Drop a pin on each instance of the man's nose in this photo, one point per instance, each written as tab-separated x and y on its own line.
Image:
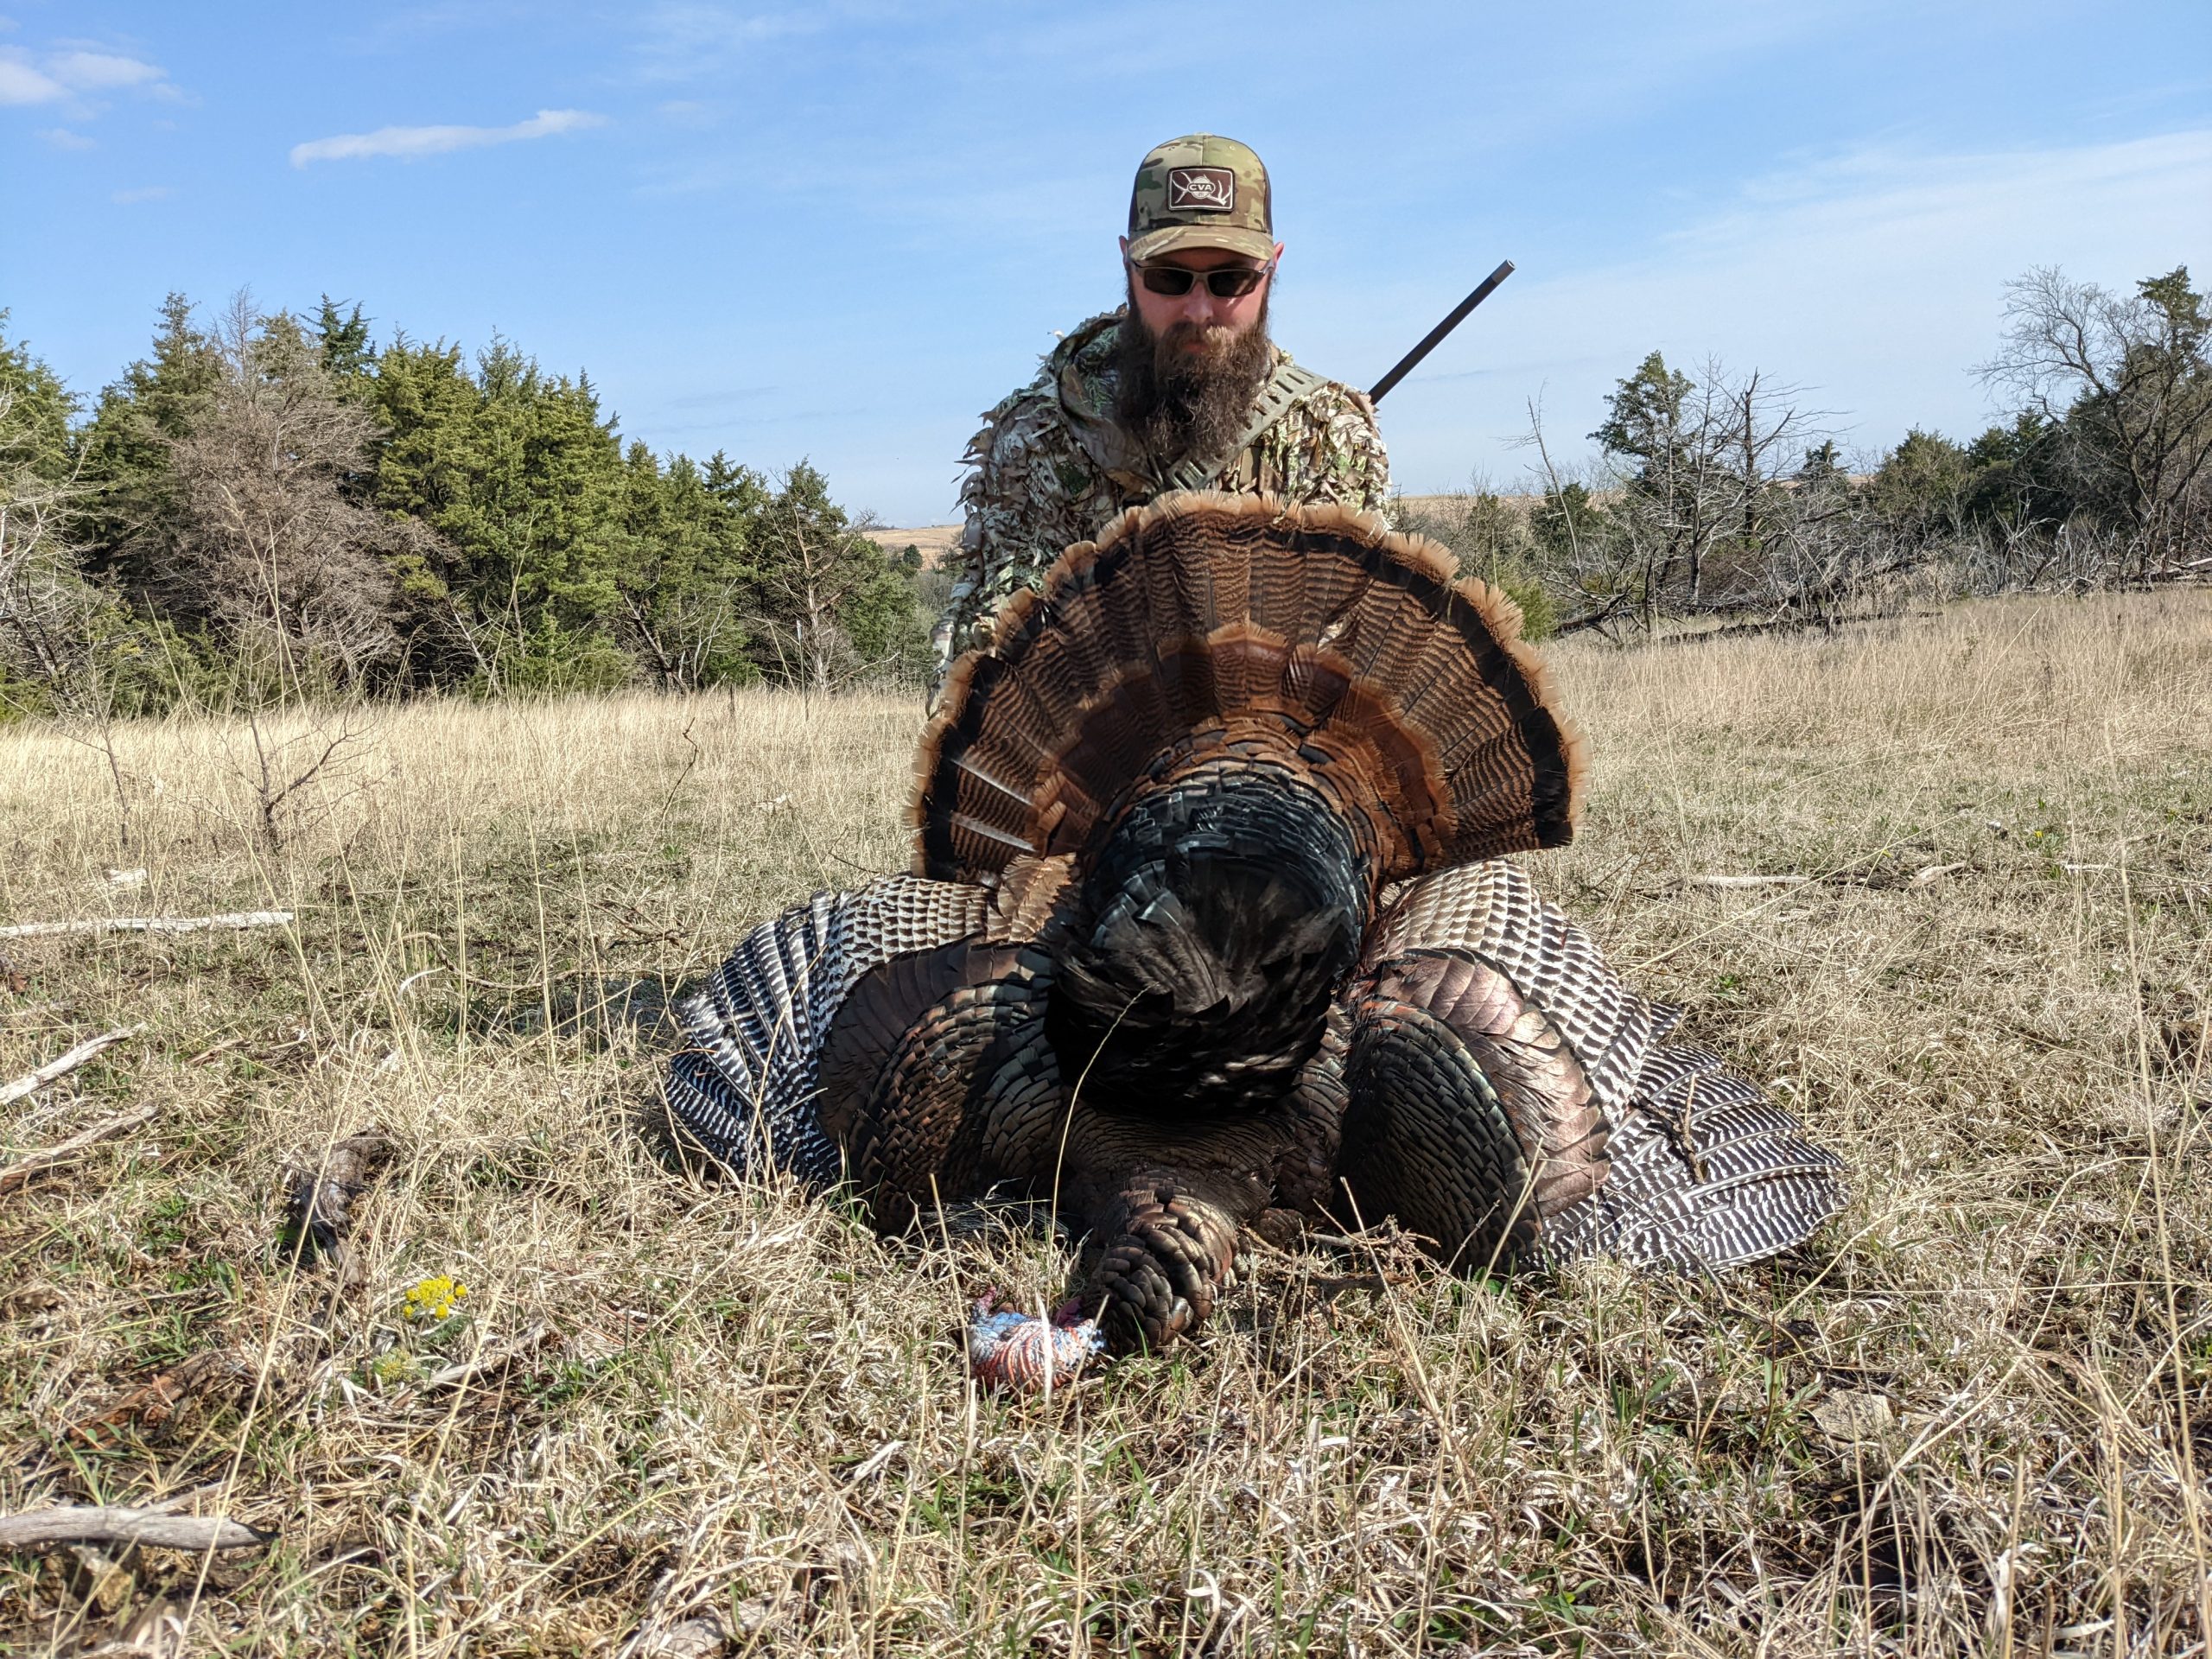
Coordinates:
1199	305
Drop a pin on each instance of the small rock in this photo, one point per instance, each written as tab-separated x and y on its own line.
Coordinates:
695	1638
1851	1416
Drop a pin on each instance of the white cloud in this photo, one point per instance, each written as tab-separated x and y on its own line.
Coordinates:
20	84
412	143
99	72
25	79
145	192
62	139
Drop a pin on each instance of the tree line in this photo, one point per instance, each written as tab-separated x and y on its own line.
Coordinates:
270	508
1724	495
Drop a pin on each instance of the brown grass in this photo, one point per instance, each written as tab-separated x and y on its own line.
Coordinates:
1973	1418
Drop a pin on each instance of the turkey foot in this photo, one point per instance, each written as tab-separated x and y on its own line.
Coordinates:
1167	1255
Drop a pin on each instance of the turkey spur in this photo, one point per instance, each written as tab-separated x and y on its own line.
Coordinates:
1210	916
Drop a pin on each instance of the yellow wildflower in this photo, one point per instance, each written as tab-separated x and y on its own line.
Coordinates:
434	1298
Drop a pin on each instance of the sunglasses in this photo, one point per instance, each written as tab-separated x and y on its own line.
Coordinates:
1223	282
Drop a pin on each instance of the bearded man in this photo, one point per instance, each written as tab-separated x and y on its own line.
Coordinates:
1179	389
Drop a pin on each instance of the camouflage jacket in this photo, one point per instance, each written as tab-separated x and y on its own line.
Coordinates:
1050	467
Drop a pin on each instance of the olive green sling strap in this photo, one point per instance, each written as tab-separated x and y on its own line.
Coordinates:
1285	386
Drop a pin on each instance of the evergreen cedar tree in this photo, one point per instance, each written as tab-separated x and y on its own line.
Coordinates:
541	553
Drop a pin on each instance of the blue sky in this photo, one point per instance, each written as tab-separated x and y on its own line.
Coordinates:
841	231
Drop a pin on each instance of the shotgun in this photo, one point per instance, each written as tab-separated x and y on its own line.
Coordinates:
1434	337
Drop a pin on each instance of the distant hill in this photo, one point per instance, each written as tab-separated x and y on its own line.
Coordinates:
935	541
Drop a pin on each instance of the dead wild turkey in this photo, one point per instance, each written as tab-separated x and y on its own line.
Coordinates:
1209	918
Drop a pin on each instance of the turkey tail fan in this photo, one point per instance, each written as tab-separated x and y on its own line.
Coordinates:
1706	1173
1206	625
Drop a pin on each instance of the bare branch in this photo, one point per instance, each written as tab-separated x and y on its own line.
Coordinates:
242	918
71	1525
37	1163
37	1079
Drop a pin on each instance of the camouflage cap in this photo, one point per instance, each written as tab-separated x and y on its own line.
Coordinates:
1201	191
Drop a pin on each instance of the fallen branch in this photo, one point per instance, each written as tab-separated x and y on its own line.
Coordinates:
73	1525
236	919
321	1198
38	1163
1598	618
30	1081
1933	873
1745	880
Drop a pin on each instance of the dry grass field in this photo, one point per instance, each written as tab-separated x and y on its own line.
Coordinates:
1975	1417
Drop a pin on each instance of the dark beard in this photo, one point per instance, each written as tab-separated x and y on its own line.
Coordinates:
1181	404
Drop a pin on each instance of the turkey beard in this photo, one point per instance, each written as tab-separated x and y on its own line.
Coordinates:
1189	390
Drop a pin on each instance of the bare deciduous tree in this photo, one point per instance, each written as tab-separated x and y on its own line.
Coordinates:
43	603
1701	502
1701	471
679	643
285	769
265	540
2125	381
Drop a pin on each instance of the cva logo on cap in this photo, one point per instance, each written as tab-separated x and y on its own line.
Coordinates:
1201	189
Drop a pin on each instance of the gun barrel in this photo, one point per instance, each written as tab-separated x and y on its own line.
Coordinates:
1429	342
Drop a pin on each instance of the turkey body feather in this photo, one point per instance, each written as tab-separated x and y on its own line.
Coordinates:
1210	917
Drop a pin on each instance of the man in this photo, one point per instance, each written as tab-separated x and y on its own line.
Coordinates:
1180	388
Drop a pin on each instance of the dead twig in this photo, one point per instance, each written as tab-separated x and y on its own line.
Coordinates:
1745	880
239	918
72	1524
1930	873
37	1163
32	1081
209	1054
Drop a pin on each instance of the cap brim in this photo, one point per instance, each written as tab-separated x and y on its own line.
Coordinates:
1173	238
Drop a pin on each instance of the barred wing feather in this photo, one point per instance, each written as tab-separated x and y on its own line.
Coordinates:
1708	1172
1487	1023
746	1085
